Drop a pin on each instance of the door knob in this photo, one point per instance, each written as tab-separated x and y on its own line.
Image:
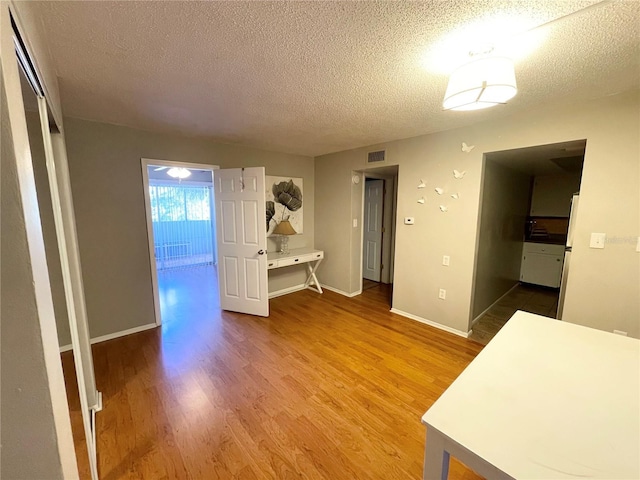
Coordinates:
261	252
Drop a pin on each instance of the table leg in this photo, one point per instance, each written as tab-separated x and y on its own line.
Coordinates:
436	458
312	279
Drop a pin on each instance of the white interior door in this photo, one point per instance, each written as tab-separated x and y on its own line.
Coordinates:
242	240
372	238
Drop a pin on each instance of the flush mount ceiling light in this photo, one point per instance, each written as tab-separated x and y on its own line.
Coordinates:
482	83
178	172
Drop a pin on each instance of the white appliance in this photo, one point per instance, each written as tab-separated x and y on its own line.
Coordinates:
567	254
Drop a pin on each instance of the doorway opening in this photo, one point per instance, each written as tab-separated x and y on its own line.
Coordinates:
181	230
378	220
528	205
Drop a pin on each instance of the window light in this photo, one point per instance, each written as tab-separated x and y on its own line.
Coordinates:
178	172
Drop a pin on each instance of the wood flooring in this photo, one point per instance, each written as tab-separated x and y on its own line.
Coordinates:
327	387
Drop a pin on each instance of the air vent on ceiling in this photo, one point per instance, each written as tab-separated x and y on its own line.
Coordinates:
376	156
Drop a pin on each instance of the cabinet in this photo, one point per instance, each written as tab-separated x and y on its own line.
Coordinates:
542	264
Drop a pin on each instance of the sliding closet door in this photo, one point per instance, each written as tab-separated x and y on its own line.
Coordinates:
90	399
65	232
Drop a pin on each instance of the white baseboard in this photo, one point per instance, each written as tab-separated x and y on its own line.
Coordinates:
342	292
285	291
431	323
111	336
493	304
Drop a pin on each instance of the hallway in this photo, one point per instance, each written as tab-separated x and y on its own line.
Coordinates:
530	298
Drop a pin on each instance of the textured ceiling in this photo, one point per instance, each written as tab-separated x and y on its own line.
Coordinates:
318	77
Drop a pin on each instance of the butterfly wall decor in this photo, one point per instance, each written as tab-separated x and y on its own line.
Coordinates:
457	174
467	148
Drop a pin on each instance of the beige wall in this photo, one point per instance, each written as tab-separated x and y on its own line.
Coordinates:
604	285
503	210
551	196
106	181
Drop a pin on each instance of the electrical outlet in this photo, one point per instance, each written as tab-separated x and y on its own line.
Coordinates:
445	260
355	223
442	294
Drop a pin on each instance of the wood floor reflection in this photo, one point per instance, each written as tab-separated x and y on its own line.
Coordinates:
327	387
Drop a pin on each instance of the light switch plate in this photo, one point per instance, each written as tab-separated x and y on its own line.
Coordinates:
445	260
597	240
355	223
409	220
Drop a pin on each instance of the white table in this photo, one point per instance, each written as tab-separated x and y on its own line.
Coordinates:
544	400
296	256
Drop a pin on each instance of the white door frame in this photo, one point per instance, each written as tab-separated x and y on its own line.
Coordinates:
394	209
145	162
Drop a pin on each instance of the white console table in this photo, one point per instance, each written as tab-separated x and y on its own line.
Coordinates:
297	256
545	399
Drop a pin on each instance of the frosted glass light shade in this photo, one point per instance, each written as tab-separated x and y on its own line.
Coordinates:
178	172
480	84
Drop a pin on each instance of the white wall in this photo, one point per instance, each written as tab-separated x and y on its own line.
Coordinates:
604	285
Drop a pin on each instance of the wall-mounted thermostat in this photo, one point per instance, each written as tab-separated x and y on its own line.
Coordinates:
409	220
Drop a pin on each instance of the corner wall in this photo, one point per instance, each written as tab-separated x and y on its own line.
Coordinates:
504	208
604	285
106	181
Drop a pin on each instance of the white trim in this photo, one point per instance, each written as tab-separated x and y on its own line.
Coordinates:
285	291
111	336
431	323
389	179
188	183
81	351
342	292
177	163
145	162
473	322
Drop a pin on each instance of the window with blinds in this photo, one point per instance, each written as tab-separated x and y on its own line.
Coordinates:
182	225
